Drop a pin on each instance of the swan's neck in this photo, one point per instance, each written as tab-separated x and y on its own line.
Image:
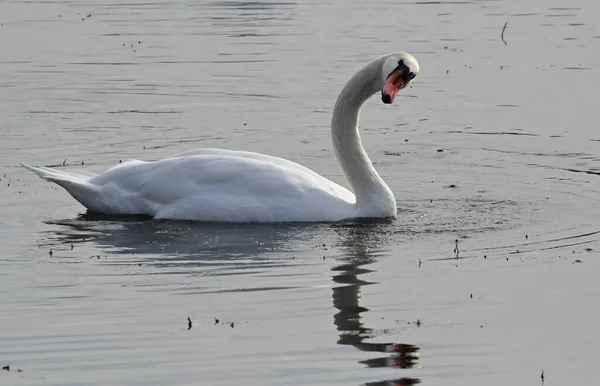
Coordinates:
373	196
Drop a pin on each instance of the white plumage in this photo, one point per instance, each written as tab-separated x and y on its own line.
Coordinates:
208	185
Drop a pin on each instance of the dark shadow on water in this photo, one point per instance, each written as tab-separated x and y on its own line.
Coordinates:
182	247
170	239
360	247
143	235
193	248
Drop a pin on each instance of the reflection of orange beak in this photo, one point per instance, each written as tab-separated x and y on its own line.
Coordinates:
393	84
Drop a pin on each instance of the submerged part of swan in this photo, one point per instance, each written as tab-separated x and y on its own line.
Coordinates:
237	186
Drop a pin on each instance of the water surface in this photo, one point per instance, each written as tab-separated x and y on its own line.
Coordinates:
494	148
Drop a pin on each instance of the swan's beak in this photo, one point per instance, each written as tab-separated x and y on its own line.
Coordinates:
395	82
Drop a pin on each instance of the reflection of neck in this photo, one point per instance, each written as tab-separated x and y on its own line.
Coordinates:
373	196
345	299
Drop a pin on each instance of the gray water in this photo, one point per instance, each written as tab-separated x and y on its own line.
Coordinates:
494	148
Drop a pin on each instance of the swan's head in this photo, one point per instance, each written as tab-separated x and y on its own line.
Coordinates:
397	70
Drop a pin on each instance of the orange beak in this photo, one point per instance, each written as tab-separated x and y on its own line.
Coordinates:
394	83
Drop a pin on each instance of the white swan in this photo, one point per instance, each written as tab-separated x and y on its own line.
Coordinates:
237	186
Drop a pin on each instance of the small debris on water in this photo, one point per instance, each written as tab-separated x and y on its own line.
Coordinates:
189	323
502	33
50	253
216	321
394	153
440	150
232	325
7	368
577	261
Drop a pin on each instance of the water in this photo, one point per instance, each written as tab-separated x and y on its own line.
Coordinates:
95	82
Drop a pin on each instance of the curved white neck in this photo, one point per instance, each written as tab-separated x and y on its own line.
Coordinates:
373	196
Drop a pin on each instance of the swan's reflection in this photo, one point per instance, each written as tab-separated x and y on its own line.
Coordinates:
192	246
359	248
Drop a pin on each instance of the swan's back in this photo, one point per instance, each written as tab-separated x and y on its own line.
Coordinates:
216	185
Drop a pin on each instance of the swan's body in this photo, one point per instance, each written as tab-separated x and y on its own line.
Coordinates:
209	185
236	186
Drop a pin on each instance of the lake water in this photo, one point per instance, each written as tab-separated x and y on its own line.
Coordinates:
495	148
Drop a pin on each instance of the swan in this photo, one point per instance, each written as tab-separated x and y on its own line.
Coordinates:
238	186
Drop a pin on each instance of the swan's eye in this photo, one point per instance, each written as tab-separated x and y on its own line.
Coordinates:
401	68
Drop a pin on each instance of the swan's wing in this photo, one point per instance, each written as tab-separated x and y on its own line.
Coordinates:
287	164
216	186
246	154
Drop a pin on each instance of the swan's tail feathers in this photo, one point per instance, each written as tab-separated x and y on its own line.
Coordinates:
73	181
55	175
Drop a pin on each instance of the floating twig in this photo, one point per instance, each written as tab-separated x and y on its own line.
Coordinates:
502	34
